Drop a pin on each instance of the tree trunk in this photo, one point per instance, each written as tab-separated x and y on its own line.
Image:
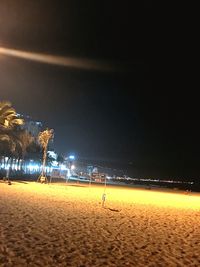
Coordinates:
44	161
8	170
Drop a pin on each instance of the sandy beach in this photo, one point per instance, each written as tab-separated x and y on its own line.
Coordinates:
66	225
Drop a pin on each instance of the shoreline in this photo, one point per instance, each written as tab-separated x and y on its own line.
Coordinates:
147	186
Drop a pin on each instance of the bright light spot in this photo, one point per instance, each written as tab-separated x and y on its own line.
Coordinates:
7	167
71	157
52	154
33	167
72	167
63	167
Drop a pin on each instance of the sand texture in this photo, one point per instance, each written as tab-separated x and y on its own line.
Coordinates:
60	225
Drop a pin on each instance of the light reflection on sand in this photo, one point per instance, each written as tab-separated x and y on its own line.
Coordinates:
42	225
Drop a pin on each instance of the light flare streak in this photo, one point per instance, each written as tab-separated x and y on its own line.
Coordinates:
72	62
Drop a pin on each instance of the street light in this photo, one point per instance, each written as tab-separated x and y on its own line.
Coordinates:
72	167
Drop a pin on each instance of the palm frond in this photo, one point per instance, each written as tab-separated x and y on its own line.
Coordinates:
8	116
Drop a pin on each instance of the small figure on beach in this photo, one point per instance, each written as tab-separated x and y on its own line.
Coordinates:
103	199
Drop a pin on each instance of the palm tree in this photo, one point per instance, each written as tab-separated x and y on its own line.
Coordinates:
8	121
7	149
8	116
43	139
34	151
26	140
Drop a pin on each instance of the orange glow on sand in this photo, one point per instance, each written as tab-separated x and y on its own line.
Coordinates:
66	225
119	195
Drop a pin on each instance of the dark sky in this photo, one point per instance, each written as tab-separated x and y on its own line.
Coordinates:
113	116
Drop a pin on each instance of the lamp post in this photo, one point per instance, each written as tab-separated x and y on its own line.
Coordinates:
71	160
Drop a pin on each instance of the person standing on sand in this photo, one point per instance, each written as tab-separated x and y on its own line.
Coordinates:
103	199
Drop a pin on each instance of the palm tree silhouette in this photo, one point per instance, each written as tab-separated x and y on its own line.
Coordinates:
8	116
8	121
43	139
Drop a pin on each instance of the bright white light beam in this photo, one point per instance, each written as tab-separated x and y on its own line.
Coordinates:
80	63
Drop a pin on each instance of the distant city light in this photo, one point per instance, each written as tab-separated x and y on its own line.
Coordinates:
72	167
63	167
71	157
33	167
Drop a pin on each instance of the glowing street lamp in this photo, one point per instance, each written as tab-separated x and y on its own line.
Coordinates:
72	167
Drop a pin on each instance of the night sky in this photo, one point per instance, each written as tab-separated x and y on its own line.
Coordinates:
114	116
